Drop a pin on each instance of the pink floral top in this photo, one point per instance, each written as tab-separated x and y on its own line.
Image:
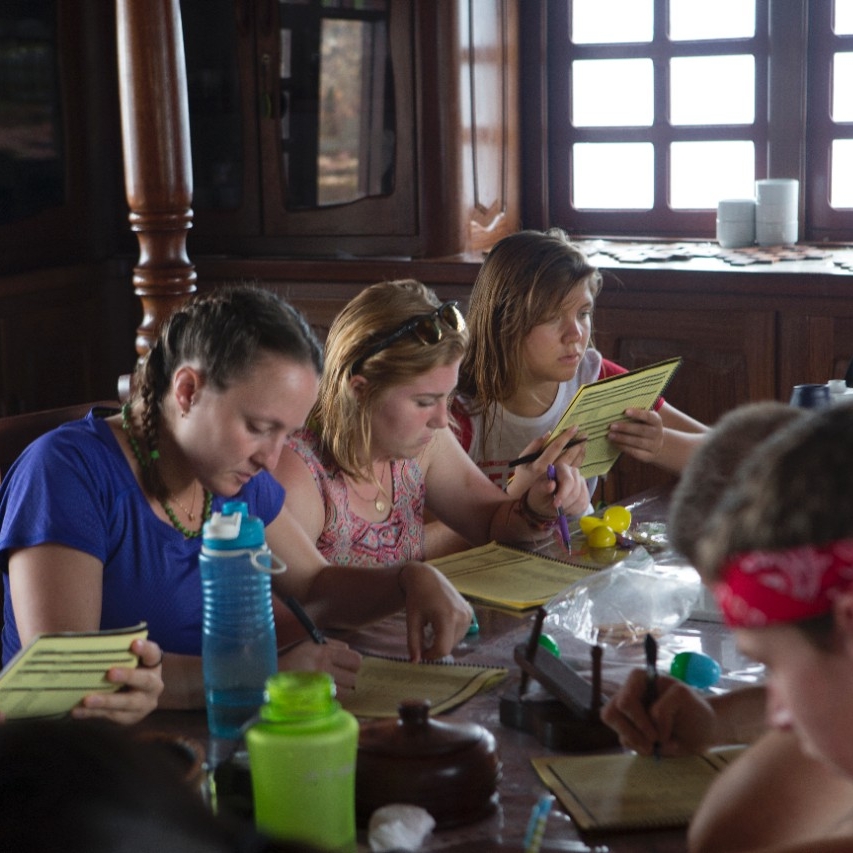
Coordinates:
348	539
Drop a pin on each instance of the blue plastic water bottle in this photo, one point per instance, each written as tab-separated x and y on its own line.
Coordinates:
238	634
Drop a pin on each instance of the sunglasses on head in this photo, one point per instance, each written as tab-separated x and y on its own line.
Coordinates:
427	328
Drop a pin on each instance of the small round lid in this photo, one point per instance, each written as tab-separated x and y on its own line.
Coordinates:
294	695
414	734
233	529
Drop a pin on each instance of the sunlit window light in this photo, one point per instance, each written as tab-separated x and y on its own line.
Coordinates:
702	173
613	93
712	90
841	185
613	176
612	21
722	19
843	23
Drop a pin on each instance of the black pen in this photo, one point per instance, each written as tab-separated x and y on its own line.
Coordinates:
532	457
305	620
651	693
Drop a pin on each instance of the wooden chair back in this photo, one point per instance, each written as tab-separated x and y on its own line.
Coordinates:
17	431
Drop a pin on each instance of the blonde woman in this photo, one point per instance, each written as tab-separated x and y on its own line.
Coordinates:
378	449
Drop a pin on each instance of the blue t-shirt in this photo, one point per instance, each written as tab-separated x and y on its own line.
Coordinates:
73	487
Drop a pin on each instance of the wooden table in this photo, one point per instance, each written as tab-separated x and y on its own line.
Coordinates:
519	788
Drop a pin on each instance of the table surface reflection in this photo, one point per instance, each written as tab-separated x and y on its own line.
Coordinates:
519	788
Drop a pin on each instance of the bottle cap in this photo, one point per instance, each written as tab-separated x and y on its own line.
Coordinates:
233	528
294	696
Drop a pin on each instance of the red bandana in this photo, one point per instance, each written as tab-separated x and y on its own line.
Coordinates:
760	588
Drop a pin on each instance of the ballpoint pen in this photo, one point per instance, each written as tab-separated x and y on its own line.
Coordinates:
305	620
532	457
651	693
561	516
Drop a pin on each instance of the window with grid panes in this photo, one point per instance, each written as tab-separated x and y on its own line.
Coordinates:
660	108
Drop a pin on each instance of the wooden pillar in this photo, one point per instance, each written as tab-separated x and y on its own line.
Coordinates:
157	159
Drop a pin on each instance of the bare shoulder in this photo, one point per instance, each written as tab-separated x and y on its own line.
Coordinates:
442	453
293	473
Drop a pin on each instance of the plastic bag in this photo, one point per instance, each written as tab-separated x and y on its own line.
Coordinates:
618	606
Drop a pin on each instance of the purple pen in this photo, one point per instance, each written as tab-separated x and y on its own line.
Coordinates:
561	516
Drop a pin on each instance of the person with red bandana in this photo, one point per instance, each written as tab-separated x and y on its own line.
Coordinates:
772	536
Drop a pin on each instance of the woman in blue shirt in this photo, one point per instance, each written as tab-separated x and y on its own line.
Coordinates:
100	520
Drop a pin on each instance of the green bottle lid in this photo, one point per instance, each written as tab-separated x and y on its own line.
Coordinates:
294	696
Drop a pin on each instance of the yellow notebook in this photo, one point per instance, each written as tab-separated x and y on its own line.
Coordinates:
508	577
50	675
598	404
624	791
383	683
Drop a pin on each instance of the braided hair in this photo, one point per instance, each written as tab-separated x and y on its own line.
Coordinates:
224	334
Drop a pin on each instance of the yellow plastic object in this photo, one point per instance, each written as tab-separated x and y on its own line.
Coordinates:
588	523
617	518
601	537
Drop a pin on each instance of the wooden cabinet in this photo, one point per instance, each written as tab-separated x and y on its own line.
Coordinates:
60	158
433	170
744	336
724	363
815	342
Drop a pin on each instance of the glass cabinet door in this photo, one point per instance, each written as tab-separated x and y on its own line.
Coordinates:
302	123
52	105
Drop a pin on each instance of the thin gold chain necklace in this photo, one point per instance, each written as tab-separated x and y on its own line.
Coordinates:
190	513
378	503
143	463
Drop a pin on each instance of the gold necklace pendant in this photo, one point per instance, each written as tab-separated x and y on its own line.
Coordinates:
190	513
379	498
181	528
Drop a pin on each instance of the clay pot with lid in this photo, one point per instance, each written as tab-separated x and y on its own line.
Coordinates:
449	769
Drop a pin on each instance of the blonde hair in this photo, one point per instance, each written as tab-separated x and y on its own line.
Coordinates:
522	283
342	416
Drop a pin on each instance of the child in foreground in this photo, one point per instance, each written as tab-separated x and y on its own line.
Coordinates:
776	546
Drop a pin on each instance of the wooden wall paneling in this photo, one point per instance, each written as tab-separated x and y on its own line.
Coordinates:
321	288
53	344
728	360
80	227
814	346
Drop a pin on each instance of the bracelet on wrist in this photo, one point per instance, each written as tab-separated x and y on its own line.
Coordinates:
534	519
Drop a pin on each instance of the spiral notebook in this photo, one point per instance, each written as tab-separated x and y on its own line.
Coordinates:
508	577
383	683
596	405
51	674
624	791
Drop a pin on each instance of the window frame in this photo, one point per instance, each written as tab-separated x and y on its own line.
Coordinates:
782	25
824	222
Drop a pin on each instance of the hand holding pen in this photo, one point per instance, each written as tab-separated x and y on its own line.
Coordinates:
527	458
651	694
562	521
568	495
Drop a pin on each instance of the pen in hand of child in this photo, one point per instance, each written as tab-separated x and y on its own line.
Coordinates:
651	694
561	516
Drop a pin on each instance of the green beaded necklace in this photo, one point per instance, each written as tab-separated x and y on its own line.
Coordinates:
153	456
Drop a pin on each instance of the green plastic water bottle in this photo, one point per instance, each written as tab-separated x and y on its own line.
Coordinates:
302	762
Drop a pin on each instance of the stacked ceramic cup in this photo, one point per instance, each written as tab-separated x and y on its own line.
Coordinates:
776	218
736	222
